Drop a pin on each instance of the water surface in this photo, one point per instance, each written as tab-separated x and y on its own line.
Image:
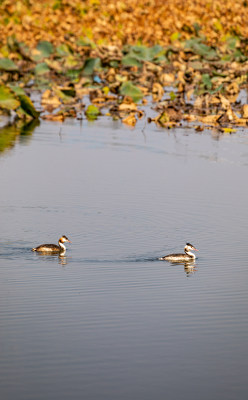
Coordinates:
109	320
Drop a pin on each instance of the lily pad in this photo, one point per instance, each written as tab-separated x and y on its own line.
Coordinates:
131	61
63	50
90	65
45	48
197	47
6	64
207	81
129	89
8	99
41	69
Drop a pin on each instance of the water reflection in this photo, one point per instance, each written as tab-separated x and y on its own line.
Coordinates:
189	266
60	257
10	132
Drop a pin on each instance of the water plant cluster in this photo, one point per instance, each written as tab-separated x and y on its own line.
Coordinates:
173	58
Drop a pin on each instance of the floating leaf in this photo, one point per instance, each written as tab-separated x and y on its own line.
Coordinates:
28	107
90	65
8	99
130	120
16	89
144	53
172	96
67	96
71	61
228	130
129	89
131	61
7	64
63	50
207	81
41	69
45	48
197	47
73	74
92	112
175	36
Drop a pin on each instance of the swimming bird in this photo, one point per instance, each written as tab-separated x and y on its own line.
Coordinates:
53	248
186	256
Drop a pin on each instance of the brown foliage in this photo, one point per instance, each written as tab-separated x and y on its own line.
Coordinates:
121	22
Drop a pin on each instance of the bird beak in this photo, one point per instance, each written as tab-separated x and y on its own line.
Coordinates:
195	249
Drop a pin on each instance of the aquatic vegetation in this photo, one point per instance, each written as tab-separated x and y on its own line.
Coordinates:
190	59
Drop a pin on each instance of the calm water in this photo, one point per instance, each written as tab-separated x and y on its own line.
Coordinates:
110	321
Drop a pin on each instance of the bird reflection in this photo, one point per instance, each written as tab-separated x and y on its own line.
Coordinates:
61	257
189	268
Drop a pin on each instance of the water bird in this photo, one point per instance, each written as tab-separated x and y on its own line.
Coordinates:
53	248
186	256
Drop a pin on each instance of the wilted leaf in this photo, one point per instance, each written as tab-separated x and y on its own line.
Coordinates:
7	64
245	111
130	120
163	118
54	117
157	91
8	99
129	89
127	107
167	79
209	119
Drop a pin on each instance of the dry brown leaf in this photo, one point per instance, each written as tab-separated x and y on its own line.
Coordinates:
52	101
99	101
180	77
157	92
130	120
54	117
244	111
208	119
189	117
189	93
224	102
167	79
127	107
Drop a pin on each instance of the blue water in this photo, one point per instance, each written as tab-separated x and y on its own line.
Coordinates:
109	320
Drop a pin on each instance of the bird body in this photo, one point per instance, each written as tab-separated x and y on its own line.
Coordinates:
186	256
53	248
